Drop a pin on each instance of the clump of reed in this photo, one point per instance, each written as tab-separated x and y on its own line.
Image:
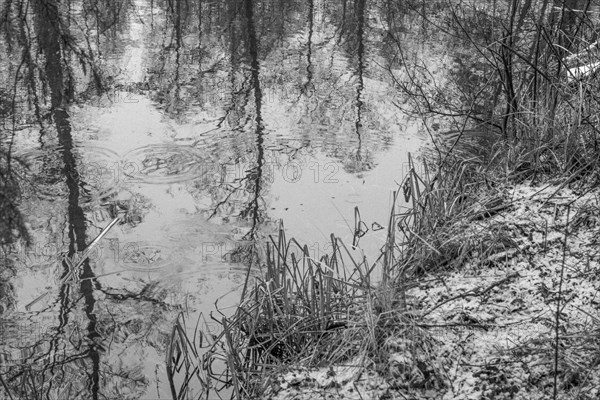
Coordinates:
443	202
300	312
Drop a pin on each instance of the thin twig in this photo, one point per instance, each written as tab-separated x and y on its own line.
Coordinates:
557	323
473	292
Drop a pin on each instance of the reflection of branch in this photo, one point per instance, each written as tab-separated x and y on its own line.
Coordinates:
5	387
295	150
115	19
233	105
219	204
54	363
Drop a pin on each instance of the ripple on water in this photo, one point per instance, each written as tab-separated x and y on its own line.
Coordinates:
196	232
146	257
44	170
210	272
162	163
99	168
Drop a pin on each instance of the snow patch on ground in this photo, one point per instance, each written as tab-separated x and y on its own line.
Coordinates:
492	323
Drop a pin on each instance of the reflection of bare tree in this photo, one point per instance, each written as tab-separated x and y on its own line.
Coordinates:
255	209
175	92
244	193
308	85
12	223
7	290
48	24
27	91
70	358
105	17
183	71
358	161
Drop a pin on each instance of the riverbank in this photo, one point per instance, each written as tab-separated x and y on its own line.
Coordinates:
488	327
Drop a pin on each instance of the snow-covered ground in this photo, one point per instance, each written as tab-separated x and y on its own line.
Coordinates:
488	329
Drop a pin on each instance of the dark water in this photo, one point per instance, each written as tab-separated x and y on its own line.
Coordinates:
205	140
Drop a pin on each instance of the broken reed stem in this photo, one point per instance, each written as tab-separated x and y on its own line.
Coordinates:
6	387
169	361
89	249
389	250
232	364
557	318
84	256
